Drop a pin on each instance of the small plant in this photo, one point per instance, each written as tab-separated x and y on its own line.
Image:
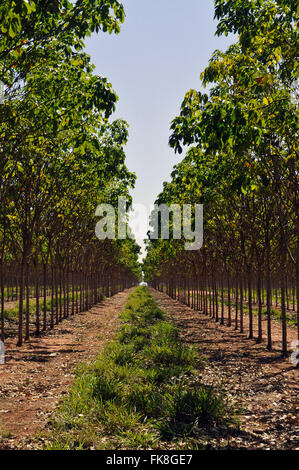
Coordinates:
5	434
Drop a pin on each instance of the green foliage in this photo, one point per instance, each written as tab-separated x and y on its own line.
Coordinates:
60	153
241	158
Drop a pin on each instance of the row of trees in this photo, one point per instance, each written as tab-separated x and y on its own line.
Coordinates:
242	164
60	153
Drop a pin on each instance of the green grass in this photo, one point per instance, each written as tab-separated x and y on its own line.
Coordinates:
275	313
142	392
11	313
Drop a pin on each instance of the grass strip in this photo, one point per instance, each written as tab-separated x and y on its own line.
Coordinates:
143	391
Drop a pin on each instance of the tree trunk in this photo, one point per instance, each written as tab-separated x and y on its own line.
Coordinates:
20	327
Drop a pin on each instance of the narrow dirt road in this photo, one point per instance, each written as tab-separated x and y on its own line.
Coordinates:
38	374
262	383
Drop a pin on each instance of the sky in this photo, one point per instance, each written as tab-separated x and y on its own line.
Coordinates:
162	48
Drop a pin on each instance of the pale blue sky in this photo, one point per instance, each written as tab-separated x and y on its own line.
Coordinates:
163	47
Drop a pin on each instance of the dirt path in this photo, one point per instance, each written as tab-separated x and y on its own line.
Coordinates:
38	374
263	383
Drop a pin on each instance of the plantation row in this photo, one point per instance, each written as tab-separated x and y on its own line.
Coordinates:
242	165
235	304
143	391
42	281
60	157
55	296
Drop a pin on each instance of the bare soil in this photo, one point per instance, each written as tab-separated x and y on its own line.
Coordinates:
260	382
